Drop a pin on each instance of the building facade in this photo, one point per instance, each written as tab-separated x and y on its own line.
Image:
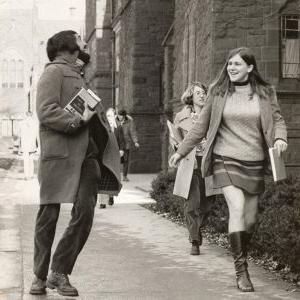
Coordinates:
128	47
99	37
204	31
157	47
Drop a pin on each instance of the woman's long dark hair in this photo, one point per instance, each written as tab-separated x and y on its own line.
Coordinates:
222	83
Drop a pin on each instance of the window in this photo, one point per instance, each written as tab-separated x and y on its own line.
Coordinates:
189	50
20	74
290	46
4	68
12	73
117	54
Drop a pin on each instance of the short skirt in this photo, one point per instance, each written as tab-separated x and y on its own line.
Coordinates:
247	175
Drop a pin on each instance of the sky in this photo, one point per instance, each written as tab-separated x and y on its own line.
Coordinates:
49	9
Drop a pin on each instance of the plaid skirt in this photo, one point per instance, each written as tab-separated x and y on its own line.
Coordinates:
247	175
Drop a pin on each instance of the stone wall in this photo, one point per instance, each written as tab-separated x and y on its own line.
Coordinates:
192	45
215	27
143	25
99	38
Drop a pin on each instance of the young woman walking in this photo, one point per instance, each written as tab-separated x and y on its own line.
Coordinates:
241	120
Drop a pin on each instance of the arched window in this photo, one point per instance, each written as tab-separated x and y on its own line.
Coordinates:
12	73
20	73
4	68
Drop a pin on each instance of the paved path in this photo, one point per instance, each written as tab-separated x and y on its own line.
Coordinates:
131	253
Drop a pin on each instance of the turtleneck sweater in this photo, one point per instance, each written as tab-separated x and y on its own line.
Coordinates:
240	134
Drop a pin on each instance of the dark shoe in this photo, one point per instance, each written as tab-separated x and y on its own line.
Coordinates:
238	242
38	287
195	250
111	201
61	283
125	178
102	205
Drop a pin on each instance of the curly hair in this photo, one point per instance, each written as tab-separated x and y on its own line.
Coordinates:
62	41
187	96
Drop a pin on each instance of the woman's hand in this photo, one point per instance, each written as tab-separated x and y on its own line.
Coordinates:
174	160
280	145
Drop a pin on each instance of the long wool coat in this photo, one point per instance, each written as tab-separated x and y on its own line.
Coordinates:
64	141
182	124
273	127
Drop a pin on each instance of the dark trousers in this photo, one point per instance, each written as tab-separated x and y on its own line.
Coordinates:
197	205
126	162
77	232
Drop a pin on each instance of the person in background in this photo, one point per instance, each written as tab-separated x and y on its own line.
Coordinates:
241	120
118	132
189	180
79	157
130	135
28	136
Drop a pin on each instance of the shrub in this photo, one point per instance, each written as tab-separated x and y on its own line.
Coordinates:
218	214
278	228
162	193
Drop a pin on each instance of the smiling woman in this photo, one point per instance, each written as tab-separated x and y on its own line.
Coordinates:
240	120
238	70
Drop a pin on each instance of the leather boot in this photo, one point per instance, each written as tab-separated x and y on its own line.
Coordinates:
61	283
238	242
195	249
38	286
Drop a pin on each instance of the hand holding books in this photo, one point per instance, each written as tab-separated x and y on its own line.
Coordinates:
83	104
87	114
280	145
276	159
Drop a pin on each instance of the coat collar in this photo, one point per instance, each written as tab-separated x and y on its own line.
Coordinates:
60	60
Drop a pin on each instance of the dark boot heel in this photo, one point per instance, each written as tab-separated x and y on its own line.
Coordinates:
238	242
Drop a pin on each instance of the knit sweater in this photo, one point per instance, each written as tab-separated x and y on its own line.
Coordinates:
240	133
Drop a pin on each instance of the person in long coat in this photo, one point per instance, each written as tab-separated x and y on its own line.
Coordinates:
79	157
28	135
130	135
241	120
189	182
118	132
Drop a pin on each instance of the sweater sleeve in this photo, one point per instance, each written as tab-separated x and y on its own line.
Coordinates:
49	111
198	131
280	131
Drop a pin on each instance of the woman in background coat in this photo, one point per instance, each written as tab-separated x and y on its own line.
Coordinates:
189	182
240	120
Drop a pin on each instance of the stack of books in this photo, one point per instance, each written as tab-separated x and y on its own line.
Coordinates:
277	164
84	98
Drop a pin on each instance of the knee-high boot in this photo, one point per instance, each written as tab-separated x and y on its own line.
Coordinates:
238	242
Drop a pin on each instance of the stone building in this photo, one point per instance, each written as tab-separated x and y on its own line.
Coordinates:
99	37
148	51
125	38
204	31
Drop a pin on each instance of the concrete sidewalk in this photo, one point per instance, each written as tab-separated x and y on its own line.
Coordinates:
132	253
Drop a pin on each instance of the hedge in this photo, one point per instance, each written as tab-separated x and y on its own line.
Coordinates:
277	234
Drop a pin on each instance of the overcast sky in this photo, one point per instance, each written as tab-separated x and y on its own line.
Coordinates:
49	9
60	9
